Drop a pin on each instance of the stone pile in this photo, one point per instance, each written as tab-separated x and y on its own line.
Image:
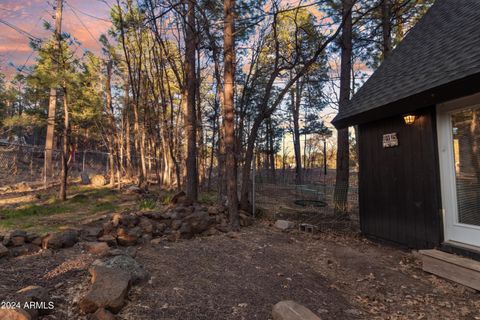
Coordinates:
179	220
19	242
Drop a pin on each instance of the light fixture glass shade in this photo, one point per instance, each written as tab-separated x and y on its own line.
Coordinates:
409	119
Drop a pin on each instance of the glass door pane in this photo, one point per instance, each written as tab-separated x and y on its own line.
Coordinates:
466	151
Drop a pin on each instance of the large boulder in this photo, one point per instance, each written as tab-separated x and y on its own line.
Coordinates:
284	224
290	310
199	221
109	289
38	298
129	265
96	248
63	239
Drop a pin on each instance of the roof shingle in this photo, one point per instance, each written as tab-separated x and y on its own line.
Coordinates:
442	47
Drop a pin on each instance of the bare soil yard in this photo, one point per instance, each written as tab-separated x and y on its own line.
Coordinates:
242	276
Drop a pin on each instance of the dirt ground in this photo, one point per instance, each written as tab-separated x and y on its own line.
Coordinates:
242	277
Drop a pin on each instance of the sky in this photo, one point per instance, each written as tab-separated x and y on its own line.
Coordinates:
29	15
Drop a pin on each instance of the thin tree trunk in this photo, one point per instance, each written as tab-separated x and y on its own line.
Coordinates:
190	114
229	112
52	102
343	154
295	92
64	159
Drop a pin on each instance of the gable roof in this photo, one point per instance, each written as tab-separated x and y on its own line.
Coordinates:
443	47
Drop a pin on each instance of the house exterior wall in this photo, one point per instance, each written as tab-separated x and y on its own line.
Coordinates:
399	187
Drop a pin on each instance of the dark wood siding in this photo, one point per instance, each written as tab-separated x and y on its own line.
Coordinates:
399	188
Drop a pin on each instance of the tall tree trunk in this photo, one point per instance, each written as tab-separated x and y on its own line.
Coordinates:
229	112
190	113
52	102
343	154
295	92
65	154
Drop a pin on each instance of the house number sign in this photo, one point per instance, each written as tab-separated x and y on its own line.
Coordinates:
390	140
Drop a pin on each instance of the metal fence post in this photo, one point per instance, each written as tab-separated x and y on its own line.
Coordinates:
253	185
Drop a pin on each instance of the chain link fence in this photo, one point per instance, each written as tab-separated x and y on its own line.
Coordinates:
25	164
309	203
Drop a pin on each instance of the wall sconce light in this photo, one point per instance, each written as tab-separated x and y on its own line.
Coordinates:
409	119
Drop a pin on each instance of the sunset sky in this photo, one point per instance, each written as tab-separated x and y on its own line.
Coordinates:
29	15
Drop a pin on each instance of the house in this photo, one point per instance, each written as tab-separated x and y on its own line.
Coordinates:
418	119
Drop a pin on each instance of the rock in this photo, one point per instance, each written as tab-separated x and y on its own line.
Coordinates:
129	265
290	310
179	197
213	210
92	232
17	241
133	189
64	239
146	238
14	314
31	236
174	236
158	229
128	237
284	224
102	314
223	227
176	224
17	234
3	250
97	248
27	248
98	180
211	232
131	251
109	289
108	227
85	178
146	225
185	228
127	220
109	239
199	221
37	241
156	241
245	219
116	218
233	235
37	295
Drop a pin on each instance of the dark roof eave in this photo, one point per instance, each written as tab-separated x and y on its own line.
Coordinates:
452	90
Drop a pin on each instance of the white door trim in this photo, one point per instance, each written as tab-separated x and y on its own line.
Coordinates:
453	230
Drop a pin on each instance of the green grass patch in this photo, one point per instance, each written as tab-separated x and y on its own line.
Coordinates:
147	204
103	206
208	198
33	210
